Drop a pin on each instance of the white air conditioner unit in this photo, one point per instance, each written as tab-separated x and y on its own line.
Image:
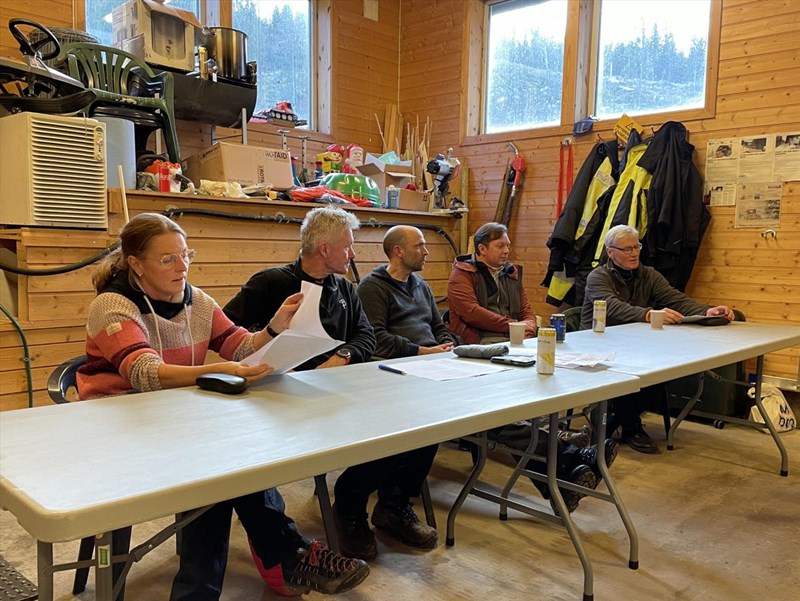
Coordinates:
53	171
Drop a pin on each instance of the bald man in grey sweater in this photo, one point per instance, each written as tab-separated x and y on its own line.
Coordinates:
400	304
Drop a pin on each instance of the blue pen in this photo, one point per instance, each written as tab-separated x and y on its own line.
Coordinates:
394	370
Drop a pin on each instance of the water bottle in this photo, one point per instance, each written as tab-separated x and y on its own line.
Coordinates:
392	197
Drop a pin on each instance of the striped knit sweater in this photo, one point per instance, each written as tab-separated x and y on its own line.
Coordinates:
126	342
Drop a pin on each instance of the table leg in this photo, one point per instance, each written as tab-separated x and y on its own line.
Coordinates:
770	426
467	488
685	411
44	568
566	519
599	426
103	573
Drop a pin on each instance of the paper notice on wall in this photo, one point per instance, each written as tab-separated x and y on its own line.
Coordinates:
787	157
720	194
758	204
722	161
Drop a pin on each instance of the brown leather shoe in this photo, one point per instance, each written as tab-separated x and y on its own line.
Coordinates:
403	524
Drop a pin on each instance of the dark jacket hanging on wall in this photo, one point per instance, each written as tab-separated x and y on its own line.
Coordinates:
677	217
572	239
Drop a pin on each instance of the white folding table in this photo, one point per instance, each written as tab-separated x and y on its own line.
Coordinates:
87	468
658	356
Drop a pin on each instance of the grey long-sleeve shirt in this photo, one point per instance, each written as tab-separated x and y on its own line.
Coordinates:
628	300
403	318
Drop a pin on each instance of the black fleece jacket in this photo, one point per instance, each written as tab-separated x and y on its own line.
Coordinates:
340	309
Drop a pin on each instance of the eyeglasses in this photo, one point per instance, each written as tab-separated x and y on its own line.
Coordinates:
629	250
169	261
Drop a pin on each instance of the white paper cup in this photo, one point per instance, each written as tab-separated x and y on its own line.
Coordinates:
516	331
656	319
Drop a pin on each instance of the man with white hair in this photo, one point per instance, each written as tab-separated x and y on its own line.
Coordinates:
631	291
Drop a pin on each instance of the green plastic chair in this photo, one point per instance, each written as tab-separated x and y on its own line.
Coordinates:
126	88
573	319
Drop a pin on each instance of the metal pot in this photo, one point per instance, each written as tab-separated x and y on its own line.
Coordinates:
228	48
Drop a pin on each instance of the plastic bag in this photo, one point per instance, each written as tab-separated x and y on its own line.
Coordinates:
776	406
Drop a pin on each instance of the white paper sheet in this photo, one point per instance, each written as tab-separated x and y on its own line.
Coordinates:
305	338
440	370
572	360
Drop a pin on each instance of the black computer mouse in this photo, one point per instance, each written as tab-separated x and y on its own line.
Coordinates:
224	383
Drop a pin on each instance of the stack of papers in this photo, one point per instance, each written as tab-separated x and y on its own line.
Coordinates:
303	339
573	360
440	370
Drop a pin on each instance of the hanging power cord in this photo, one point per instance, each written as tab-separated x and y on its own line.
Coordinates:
26	356
58	270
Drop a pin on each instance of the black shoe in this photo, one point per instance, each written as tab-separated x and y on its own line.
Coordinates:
640	441
404	525
582	475
320	569
589	456
356	538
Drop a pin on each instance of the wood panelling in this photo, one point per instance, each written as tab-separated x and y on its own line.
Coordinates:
417	55
229	251
757	91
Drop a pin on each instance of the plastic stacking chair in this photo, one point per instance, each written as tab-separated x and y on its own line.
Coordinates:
126	88
573	319
58	385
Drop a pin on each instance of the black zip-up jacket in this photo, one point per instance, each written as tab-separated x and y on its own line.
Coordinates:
677	218
340	309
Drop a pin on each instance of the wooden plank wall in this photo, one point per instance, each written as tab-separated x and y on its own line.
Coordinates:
54	308
758	91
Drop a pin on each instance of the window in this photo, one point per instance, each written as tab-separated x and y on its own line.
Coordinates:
651	56
279	40
524	64
98	16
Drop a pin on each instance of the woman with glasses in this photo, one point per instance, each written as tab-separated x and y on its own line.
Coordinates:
148	329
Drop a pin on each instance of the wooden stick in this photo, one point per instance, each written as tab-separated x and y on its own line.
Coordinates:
380	131
123	195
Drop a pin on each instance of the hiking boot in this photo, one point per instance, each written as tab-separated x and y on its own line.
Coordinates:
356	538
273	577
589	456
582	475
640	441
317	568
582	438
404	525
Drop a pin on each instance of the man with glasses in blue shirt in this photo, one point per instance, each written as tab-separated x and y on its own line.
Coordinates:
631	291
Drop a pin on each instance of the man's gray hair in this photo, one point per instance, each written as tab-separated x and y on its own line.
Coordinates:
325	224
620	231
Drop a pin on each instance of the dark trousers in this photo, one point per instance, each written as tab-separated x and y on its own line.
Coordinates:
204	542
518	436
626	411
396	478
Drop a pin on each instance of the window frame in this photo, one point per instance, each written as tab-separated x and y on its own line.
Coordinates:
579	64
219	13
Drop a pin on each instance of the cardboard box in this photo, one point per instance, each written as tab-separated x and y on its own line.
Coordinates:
246	165
386	175
411	200
156	33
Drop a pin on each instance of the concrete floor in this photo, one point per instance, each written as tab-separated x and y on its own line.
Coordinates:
716	522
